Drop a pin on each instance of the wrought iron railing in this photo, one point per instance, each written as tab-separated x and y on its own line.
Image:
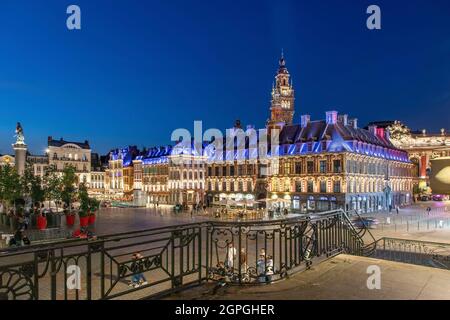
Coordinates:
430	254
173	258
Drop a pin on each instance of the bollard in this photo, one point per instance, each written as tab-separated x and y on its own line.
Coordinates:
407	226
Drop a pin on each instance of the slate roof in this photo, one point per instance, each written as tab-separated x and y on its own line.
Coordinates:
61	142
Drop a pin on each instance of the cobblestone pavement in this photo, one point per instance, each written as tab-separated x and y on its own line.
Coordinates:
342	278
411	222
115	220
414	222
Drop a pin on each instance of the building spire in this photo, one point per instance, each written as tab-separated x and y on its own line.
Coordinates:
282	60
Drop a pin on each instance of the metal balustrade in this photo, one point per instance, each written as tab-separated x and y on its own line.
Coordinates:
425	253
174	258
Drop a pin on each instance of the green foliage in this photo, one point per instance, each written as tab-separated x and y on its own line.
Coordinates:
68	181
94	205
32	185
52	184
83	197
11	188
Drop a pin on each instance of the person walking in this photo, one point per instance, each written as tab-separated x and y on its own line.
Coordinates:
231	255
137	266
397	209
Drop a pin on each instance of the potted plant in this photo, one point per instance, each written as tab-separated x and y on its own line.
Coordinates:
68	182
84	217
94	205
41	221
83	212
70	217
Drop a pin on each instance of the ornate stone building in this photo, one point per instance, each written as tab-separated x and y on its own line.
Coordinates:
168	176
119	177
62	153
151	170
321	165
423	147
318	165
282	104
306	167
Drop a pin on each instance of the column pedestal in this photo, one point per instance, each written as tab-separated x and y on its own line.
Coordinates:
20	157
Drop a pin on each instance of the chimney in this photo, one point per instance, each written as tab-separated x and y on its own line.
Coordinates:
373	129
304	120
353	123
50	138
343	118
387	134
331	117
86	142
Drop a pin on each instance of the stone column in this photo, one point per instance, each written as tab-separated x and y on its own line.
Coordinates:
423	166
20	157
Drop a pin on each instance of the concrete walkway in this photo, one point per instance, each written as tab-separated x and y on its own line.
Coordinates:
343	278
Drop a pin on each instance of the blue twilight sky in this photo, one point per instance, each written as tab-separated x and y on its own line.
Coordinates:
140	69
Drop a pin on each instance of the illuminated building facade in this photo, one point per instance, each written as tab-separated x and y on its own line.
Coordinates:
187	175
151	169
39	163
63	153
168	176
306	167
423	147
119	180
321	165
283	98
7	160
318	165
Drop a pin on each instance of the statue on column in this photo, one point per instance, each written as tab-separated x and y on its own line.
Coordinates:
19	134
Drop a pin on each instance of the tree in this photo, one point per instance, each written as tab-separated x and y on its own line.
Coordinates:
10	186
83	197
37	193
32	185
68	181
52	185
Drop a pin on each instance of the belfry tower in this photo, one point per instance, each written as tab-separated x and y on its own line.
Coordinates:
282	104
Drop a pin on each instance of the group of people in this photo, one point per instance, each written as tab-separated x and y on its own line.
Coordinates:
264	265
22	219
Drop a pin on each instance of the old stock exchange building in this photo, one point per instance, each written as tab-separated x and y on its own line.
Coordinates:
321	165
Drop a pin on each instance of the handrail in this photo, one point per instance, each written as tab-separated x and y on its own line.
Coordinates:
367	249
66	243
428	253
235	252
